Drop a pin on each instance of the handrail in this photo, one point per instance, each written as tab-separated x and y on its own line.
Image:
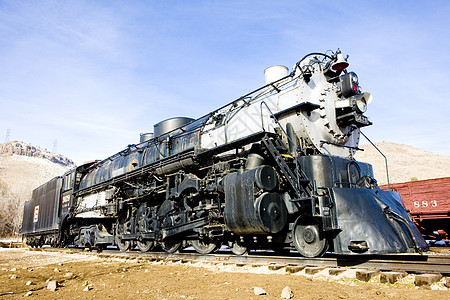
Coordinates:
385	158
287	136
272	115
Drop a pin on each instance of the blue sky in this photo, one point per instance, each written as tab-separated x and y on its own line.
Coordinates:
95	74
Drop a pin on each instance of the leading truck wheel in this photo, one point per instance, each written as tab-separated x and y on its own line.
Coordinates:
308	240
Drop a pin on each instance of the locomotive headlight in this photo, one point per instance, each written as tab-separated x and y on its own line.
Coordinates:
356	103
361	102
349	111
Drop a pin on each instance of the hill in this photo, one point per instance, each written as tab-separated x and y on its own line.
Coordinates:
404	162
23	149
23	168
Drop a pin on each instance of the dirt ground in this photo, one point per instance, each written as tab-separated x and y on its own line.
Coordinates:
82	276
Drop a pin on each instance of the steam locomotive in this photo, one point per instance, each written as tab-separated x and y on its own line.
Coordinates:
273	169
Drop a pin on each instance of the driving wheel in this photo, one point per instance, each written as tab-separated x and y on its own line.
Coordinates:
144	224
206	245
171	245
121	228
145	246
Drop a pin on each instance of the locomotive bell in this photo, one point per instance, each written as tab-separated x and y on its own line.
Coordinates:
340	63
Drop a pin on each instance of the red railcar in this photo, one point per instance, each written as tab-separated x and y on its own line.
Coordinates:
429	205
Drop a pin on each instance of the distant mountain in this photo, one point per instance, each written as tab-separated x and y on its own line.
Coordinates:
23	149
22	169
405	163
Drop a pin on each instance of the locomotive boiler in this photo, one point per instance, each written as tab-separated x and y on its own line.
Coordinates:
273	169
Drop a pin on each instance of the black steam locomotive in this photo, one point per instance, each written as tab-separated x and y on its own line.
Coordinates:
273	169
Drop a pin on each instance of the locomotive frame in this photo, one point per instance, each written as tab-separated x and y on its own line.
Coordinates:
273	169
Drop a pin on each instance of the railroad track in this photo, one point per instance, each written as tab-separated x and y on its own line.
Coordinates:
396	262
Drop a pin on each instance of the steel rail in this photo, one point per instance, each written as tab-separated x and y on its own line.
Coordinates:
396	262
